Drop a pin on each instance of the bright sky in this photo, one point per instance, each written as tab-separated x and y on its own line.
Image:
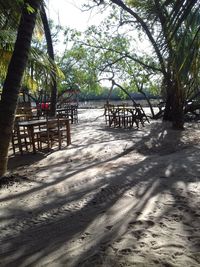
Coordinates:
68	13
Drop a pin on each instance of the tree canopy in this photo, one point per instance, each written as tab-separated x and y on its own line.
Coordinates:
172	28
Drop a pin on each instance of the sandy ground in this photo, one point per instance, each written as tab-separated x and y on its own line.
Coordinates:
115	197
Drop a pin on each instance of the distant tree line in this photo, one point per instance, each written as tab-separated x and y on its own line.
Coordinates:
116	94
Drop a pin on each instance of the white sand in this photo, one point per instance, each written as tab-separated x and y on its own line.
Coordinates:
115	197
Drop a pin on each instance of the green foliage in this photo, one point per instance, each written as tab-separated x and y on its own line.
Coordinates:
173	30
78	65
40	68
30	9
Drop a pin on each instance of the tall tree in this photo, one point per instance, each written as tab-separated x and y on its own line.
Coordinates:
165	23
51	55
14	77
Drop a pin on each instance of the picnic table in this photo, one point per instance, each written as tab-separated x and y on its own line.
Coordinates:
33	126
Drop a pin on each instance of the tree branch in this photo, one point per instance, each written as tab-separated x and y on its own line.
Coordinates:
124	55
146	29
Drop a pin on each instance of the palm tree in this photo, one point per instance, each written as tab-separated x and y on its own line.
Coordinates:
51	55
14	77
168	19
41	66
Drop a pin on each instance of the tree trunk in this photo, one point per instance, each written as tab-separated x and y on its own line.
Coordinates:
13	79
168	84
51	55
148	101
174	105
126	92
168	107
177	112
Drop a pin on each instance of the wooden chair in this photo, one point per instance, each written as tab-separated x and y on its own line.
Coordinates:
57	130
118	116
64	128
70	112
108	112
133	118
141	116
123	117
24	113
20	139
74	114
49	135
20	135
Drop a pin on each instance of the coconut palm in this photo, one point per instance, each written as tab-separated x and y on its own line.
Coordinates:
51	55
172	28
14	77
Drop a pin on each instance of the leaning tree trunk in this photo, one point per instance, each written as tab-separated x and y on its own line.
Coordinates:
14	77
148	102
51	55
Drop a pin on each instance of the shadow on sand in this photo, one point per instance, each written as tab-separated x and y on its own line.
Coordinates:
119	210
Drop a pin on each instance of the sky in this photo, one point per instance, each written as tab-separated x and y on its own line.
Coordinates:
68	13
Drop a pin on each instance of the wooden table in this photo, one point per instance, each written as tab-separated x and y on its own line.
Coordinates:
42	122
23	116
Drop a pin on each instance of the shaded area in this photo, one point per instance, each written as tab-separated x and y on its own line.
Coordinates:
23	160
10	180
128	203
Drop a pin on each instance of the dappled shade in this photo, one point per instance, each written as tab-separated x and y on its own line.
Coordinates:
115	196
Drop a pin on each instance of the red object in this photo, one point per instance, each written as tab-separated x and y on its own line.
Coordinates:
43	106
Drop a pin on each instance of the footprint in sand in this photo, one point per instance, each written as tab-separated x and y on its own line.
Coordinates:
109	227
84	235
167	264
153	243
178	253
142	244
155	235
180	208
139	234
125	251
162	225
156	261
144	224
177	217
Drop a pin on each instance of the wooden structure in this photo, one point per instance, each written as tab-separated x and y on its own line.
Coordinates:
123	116
32	133
70	112
26	107
68	104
